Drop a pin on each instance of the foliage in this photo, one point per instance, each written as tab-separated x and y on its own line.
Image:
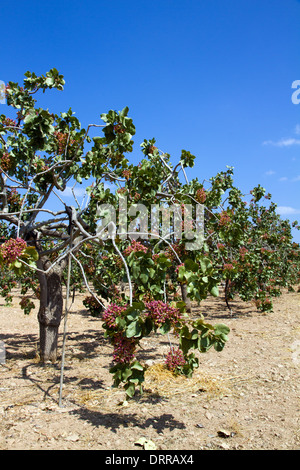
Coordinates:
127	325
122	261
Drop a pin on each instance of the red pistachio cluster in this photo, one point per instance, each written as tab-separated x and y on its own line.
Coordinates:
13	198
12	249
122	191
228	267
92	305
177	267
127	174
179	249
111	313
135	197
263	304
119	129
26	304
124	348
62	139
135	246
243	252
7	122
5	162
159	312
201	195
175	359
225	219
221	246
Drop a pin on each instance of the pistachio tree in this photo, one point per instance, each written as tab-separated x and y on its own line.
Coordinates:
135	239
42	156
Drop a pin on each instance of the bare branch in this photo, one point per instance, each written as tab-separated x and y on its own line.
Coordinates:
85	280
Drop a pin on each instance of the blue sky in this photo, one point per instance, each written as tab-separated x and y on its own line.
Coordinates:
213	77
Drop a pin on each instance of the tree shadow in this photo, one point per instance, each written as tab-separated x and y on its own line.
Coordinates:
88	342
16	344
90	384
114	421
83	312
150	353
40	383
218	309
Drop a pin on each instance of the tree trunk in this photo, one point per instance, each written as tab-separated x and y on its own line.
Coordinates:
227	287
185	297
50	311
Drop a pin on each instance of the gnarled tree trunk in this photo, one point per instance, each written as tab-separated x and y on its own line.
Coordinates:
51	309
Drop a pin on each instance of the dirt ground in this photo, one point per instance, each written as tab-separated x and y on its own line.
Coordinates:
246	397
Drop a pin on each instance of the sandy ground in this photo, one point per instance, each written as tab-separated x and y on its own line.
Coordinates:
244	398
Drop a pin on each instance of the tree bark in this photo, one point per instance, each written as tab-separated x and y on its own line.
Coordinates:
227	287
185	297
50	311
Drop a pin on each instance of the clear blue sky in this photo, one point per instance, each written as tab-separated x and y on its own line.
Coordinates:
210	76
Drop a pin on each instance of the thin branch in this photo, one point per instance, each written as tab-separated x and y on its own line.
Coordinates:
186	178
60	258
85	280
126	269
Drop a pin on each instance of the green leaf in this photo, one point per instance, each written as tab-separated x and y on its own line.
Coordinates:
130	389
220	328
136	306
204	263
165	328
219	346
194	334
144	278
32	252
163	261
126	373
191	265
135	380
137	365
215	291
49	81
181	305
17	264
29	118
201	325
148	326
186	344
133	330
133	316
121	322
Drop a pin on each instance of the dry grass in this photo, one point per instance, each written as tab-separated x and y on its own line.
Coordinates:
161	381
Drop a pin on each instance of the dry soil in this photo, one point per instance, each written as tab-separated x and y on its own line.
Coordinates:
243	398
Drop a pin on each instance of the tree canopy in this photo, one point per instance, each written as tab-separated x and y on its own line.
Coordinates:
111	240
